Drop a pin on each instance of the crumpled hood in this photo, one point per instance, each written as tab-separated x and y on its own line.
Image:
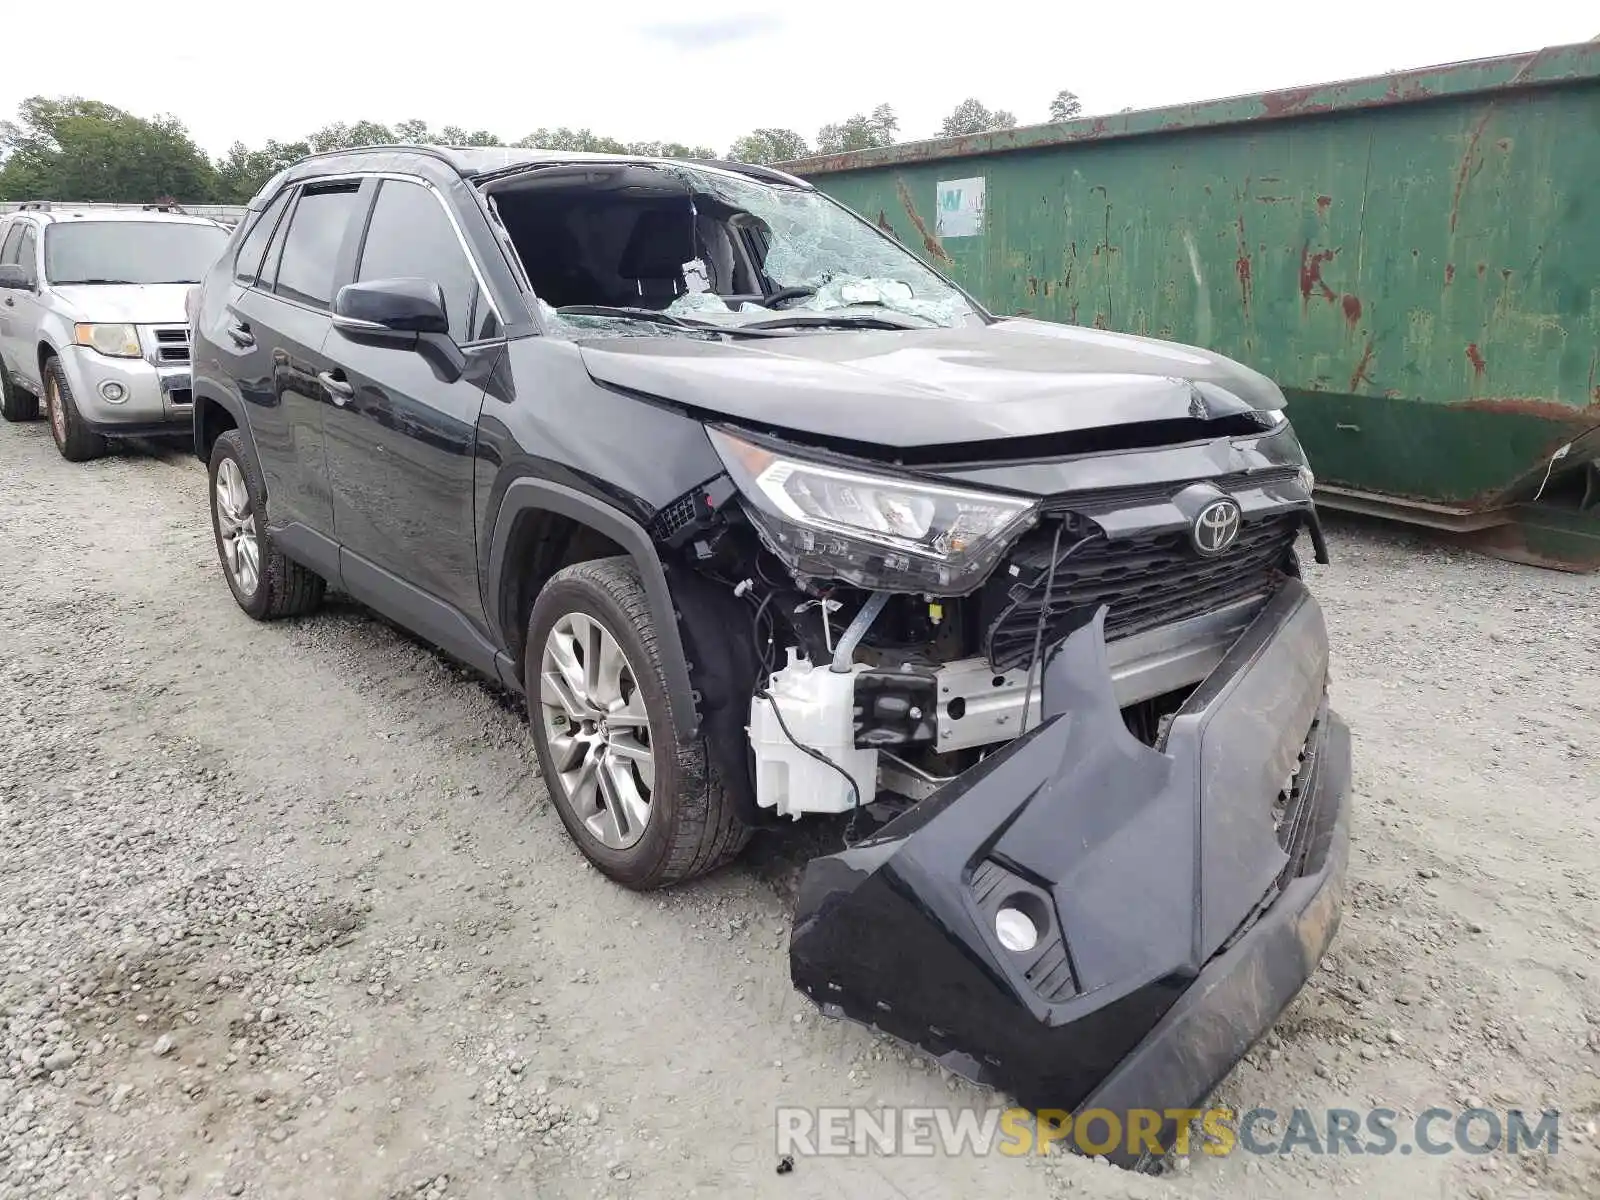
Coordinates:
134	304
1015	378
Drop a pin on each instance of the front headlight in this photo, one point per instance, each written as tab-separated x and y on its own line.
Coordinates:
876	531
117	341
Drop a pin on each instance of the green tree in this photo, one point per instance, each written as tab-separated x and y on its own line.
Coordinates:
670	150
860	132
241	172
571	139
455	135
1065	106
769	146
970	117
340	136
76	149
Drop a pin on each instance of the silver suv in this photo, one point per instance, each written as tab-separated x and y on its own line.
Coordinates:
92	319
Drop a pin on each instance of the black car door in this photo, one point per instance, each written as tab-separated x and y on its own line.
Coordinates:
402	436
276	325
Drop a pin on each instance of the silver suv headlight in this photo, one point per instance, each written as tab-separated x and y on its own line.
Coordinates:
114	341
881	532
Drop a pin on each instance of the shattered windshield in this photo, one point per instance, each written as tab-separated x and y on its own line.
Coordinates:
700	252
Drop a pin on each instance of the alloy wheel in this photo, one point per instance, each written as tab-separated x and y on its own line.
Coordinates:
236	526
597	729
58	411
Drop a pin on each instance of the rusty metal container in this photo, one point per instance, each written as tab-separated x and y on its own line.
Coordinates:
1415	258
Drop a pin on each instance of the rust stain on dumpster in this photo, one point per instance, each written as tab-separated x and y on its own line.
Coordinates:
1352	310
1242	266
1360	376
1475	357
1464	171
1311	275
1584	418
929	242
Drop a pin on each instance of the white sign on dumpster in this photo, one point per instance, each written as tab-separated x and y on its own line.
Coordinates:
960	211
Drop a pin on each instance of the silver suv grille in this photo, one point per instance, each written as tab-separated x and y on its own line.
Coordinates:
172	345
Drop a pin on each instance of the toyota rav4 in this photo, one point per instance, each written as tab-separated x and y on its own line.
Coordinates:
766	518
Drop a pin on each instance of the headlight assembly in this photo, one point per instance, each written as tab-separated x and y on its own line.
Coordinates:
880	532
115	341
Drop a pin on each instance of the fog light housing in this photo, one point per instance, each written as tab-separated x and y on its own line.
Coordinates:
113	392
1016	930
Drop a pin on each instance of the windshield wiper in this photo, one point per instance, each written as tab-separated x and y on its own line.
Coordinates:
636	314
656	316
75	282
817	320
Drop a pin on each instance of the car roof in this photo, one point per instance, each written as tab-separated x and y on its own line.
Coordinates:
471	162
90	214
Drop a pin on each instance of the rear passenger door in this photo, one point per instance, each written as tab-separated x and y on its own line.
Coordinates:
24	309
401	442
276	326
10	241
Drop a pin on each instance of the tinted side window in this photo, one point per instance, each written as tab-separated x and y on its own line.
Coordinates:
13	243
247	265
410	237
311	249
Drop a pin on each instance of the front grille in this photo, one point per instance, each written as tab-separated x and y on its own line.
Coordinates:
1146	581
172	345
1102	499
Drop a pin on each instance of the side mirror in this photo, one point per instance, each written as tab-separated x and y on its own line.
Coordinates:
14	277
390	309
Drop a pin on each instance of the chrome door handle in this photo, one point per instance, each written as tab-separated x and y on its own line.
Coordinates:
341	390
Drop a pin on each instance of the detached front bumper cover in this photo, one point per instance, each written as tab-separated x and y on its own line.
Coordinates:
1181	896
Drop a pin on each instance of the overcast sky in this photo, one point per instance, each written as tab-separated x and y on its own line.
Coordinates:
708	70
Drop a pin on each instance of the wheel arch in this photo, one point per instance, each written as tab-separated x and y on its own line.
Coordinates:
213	416
531	510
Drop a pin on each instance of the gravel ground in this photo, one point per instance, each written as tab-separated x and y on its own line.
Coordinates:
284	910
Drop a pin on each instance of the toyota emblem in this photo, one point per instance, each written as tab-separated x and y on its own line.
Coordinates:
1216	527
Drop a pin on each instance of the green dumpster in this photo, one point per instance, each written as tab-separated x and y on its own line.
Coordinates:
1415	258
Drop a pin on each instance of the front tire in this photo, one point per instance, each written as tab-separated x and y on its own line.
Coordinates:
15	404
76	441
266	584
643	806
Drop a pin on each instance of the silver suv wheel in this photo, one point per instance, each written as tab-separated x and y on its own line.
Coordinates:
595	724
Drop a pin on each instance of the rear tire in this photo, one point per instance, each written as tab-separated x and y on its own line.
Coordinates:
643	807
76	441
266	584
15	404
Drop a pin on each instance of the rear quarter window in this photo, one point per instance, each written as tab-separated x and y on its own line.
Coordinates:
252	250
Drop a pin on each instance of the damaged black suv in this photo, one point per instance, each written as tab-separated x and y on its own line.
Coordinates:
766	518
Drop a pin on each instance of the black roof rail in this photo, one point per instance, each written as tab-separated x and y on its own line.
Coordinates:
35	206
166	208
387	147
